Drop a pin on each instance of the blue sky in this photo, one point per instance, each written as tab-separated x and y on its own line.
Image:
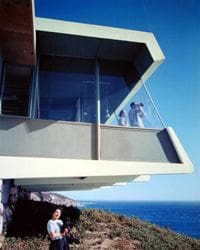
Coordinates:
175	86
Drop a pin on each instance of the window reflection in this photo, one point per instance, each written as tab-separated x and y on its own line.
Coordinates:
67	89
138	111
116	80
121	104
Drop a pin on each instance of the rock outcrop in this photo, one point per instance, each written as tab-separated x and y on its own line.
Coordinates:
30	217
53	198
27	213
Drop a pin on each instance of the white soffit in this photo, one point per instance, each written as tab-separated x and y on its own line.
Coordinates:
78	183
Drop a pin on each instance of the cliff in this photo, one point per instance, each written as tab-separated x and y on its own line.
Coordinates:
97	229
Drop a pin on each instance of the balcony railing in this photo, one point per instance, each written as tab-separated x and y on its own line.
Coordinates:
71	140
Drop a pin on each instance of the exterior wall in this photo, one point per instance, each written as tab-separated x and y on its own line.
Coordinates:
1	79
129	144
17	31
42	138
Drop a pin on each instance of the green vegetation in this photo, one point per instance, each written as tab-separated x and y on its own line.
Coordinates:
101	230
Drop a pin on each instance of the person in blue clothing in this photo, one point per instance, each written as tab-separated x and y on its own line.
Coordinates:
57	237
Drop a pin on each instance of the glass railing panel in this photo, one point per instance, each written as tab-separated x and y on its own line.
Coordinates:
138	110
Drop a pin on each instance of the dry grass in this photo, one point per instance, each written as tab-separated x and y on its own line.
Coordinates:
99	230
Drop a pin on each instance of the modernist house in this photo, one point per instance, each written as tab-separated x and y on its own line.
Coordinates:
63	85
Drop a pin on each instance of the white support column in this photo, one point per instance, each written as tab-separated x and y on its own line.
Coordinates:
97	110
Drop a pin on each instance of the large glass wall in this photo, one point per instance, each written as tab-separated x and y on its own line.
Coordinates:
64	88
67	89
115	84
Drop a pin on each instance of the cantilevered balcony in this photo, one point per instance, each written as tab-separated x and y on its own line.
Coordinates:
47	139
60	109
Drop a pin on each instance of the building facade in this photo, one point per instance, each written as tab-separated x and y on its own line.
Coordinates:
75	113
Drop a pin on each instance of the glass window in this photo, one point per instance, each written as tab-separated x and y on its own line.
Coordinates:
121	104
67	89
116	80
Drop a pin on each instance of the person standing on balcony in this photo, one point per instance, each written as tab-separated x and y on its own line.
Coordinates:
122	121
136	114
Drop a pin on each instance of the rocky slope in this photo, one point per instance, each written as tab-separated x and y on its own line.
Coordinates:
102	230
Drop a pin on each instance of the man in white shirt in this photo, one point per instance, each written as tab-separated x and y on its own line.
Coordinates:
136	114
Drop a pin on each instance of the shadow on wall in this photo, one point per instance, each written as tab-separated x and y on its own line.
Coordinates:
31	125
30	217
168	147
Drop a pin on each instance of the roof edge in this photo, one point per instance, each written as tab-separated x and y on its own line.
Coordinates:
101	32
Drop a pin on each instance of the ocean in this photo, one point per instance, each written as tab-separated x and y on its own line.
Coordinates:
182	217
